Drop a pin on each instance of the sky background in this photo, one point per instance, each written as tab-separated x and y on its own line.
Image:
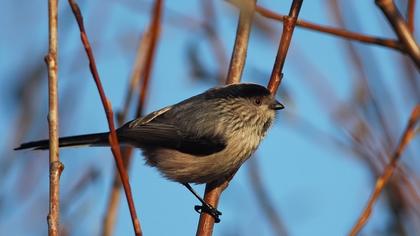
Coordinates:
316	189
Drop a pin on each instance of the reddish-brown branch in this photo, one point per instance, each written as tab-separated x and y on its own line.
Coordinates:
113	139
410	15
286	37
55	165
401	29
142	69
389	170
237	63
390	43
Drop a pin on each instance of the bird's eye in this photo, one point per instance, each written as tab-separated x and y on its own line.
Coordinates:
257	101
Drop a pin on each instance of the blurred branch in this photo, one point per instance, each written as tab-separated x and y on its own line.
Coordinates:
142	69
390	43
401	29
135	76
109	219
209	26
286	37
237	63
389	170
113	139
56	167
263	199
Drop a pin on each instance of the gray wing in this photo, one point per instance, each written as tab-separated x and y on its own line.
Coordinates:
158	130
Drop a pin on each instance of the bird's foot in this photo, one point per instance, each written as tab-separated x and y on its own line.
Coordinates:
207	208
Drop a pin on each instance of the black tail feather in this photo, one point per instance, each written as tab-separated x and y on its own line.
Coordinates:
98	139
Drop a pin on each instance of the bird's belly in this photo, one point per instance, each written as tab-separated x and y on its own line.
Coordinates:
186	168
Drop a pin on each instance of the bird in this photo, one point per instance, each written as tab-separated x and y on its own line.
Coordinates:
199	140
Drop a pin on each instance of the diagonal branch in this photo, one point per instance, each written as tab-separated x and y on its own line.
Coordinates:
401	29
288	27
113	139
390	43
389	170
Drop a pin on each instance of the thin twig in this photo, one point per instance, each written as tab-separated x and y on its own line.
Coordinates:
401	29
113	139
288	27
390	43
389	170
142	70
56	167
237	63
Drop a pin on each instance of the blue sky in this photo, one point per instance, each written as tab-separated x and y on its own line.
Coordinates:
317	189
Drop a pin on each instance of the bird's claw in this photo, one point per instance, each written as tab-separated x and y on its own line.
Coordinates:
210	210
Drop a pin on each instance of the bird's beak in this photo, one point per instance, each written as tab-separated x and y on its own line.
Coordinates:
276	105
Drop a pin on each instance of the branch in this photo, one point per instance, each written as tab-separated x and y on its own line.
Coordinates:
286	37
390	43
410	15
142	69
237	63
389	170
263	199
401	29
113	139
56	167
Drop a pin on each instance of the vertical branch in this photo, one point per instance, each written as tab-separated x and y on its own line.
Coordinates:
410	15
389	170
237	63
143	69
263	199
286	37
55	165
401	29
113	139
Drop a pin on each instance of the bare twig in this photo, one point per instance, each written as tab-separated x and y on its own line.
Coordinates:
237	63
286	37
389	170
401	29
113	139
390	43
55	165
142	70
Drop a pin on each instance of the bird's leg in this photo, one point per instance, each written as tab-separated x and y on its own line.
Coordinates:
205	207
